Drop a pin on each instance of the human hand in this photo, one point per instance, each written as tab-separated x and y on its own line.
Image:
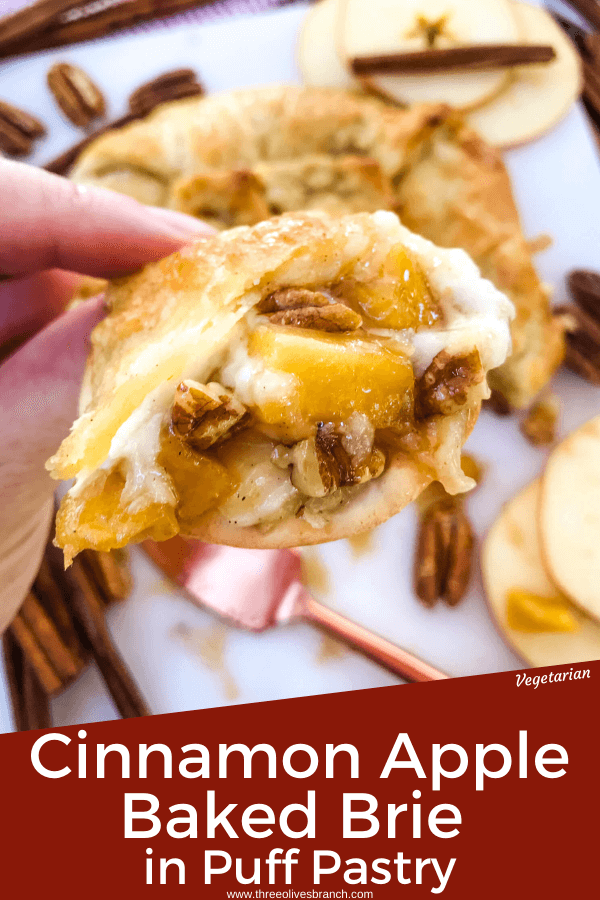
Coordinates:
52	229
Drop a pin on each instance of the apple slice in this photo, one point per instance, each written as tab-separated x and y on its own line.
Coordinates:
570	516
318	58
332	376
388	26
512	560
538	96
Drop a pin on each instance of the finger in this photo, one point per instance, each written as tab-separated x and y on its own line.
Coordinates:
49	222
21	558
29	304
39	387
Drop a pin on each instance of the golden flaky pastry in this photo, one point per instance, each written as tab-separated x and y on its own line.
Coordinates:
288	383
235	158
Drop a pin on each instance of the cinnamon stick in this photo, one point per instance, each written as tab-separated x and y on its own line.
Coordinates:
36	701
589	9
591	86
36	17
53	593
57	23
25	637
577	35
110	573
592	46
66	663
59	627
30	703
473	58
588	46
13	667
89	612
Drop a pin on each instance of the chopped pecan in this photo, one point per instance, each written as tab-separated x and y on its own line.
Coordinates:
18	130
582	352
321	465
585	290
292	298
206	414
334	317
498	404
446	382
444	554
76	94
311	472
335	458
539	425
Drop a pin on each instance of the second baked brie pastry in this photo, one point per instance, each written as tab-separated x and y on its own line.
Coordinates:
289	383
238	157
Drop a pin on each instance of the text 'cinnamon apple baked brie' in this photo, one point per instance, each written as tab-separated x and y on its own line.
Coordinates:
288	383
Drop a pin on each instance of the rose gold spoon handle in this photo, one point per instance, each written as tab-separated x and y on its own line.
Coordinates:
259	589
398	661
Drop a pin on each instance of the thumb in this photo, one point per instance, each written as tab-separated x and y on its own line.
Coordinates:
39	387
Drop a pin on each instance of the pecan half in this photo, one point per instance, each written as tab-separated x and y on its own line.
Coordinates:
76	94
334	317
174	85
206	414
443	559
460	558
312	473
321	464
582	338
585	290
498	404
304	308
446	382
18	130
334	456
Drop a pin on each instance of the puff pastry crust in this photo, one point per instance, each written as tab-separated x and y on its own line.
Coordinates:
288	383
239	156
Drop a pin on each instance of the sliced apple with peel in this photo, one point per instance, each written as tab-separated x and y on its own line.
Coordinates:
570	517
388	26
538	96
537	621
318	57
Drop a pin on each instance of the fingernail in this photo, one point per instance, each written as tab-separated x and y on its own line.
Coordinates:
178	224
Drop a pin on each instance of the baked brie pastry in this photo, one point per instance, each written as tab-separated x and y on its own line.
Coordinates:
237	158
288	383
